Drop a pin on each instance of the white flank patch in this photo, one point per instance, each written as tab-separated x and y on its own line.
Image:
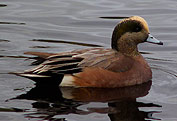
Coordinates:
67	80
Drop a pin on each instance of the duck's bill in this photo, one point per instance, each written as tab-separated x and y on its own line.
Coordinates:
153	40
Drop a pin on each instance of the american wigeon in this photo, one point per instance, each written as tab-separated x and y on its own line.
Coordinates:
120	66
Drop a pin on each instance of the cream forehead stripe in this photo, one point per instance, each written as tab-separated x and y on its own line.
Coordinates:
140	19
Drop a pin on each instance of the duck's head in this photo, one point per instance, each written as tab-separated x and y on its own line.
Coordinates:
129	33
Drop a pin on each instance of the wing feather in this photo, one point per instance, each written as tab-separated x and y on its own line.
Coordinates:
75	61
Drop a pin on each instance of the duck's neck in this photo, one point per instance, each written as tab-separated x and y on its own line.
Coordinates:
128	48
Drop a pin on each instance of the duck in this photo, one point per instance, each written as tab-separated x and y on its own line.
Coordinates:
119	66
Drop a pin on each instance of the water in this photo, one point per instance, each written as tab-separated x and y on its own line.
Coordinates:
63	25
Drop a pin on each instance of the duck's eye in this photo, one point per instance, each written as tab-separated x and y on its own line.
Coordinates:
137	29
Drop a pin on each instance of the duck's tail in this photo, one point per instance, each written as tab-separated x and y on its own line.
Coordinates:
53	80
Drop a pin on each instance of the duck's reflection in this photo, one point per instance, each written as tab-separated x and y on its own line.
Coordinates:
122	104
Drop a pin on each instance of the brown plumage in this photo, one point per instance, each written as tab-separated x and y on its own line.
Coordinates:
120	66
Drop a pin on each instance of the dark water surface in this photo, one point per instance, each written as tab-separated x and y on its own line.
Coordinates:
63	25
